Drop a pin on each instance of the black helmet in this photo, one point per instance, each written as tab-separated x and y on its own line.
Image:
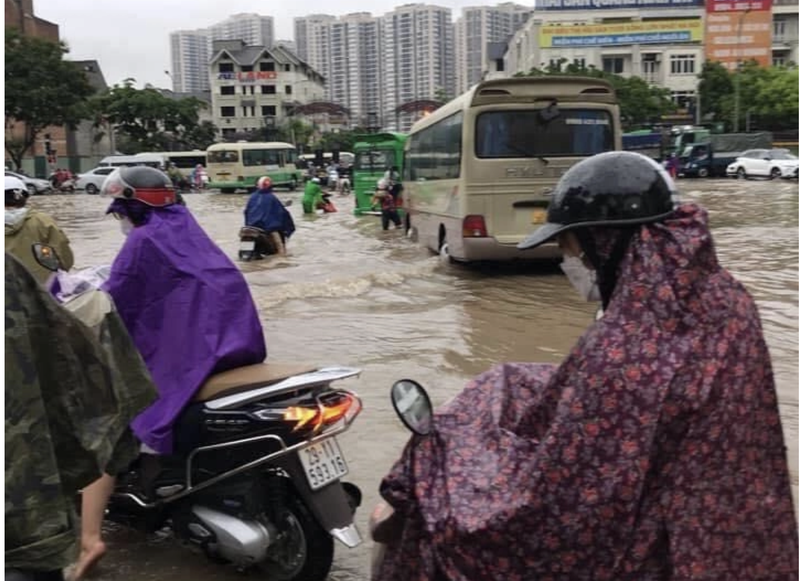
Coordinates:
616	188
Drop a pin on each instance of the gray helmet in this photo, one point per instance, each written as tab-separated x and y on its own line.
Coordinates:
616	188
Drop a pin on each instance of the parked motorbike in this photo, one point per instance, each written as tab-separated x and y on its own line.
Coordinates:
255	480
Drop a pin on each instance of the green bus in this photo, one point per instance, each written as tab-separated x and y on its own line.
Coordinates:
375	153
237	166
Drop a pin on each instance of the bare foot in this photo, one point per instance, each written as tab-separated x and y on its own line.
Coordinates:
88	559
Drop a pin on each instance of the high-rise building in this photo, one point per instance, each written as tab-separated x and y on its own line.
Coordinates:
253	29
419	58
191	49
475	29
190	54
347	51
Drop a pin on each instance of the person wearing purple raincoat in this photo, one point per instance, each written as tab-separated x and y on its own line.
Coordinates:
653	452
186	306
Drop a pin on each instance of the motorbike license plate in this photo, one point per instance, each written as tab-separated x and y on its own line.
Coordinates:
247	245
323	462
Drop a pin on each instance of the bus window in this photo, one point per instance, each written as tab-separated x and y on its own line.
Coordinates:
223	156
512	134
374	160
251	157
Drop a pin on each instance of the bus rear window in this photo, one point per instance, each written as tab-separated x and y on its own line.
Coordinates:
223	156
510	134
378	160
251	157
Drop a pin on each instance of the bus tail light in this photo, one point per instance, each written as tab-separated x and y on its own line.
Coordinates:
474	227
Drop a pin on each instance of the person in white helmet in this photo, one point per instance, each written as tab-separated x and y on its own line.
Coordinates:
26	226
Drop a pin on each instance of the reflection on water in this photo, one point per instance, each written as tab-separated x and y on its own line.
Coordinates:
349	293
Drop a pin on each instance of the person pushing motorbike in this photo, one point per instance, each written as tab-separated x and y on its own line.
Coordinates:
266	212
654	451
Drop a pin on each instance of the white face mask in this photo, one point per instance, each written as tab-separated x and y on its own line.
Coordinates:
583	278
126	226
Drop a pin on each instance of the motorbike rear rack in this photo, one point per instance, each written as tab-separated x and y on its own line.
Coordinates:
338	428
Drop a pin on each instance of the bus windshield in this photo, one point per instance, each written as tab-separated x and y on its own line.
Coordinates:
376	160
527	133
252	157
223	156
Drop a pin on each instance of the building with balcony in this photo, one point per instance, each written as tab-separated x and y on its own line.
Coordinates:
475	29
784	32
255	86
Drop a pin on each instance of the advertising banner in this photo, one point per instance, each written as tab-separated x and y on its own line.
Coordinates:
737	5
612	4
248	77
622	33
733	37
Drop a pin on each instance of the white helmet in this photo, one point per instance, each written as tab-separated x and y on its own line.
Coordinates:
315	180
382	184
16	191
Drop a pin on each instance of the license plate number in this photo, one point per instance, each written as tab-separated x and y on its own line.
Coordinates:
539	216
323	463
247	245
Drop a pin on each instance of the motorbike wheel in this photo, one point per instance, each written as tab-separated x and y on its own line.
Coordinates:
303	550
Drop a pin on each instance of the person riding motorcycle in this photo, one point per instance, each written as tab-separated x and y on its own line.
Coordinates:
654	451
187	307
266	212
70	395
312	196
25	226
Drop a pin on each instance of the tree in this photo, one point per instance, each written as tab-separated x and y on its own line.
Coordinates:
639	103
146	120
201	136
716	90
42	90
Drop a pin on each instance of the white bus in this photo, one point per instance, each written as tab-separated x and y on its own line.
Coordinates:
479	171
234	166
157	160
186	160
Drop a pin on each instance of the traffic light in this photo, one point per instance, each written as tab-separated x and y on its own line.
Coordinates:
48	149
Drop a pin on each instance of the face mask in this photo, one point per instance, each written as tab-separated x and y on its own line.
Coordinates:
126	226
582	278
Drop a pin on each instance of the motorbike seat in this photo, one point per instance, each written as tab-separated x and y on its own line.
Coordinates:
248	377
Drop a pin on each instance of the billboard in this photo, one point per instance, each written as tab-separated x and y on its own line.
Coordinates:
737	5
733	37
621	33
612	4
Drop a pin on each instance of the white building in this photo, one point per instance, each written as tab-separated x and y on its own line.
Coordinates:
252	86
348	52
191	49
475	29
418	59
784	32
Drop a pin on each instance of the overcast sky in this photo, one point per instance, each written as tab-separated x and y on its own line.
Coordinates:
131	38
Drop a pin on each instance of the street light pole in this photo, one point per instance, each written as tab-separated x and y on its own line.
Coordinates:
738	80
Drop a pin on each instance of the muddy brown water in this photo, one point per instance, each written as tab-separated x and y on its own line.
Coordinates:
351	294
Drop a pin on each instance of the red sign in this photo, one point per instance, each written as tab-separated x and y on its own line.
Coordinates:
735	37
738	5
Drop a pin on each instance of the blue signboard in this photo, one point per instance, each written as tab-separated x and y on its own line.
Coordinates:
612	4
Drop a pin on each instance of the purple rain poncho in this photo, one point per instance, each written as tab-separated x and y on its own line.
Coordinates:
653	452
188	309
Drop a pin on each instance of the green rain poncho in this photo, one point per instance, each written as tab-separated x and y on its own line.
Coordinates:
71	391
312	197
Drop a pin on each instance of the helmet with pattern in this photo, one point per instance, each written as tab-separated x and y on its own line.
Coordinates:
264	183
144	184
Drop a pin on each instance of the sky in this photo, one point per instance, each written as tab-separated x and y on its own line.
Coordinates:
131	38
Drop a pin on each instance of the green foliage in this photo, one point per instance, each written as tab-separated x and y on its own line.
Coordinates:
768	94
639	103
42	90
146	120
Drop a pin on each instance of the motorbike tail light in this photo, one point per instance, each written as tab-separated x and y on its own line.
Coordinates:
323	414
474	226
301	415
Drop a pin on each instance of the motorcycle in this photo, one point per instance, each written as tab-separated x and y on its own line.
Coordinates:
256	477
255	243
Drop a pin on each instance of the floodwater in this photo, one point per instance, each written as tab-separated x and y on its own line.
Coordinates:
351	294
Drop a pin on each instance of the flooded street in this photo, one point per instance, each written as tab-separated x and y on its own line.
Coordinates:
351	294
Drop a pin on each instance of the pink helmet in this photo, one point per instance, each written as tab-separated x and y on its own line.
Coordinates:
264	183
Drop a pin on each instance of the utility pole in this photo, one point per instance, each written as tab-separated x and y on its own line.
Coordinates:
738	80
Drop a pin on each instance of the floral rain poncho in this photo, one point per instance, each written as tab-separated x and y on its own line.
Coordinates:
654	451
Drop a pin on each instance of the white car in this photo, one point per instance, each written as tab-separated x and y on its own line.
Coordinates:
34	185
767	163
92	180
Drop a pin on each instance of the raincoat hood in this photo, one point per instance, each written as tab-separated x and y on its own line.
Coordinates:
654	451
24	228
188	309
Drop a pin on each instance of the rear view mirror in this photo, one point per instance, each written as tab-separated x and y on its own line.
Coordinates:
46	256
413	406
550	112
